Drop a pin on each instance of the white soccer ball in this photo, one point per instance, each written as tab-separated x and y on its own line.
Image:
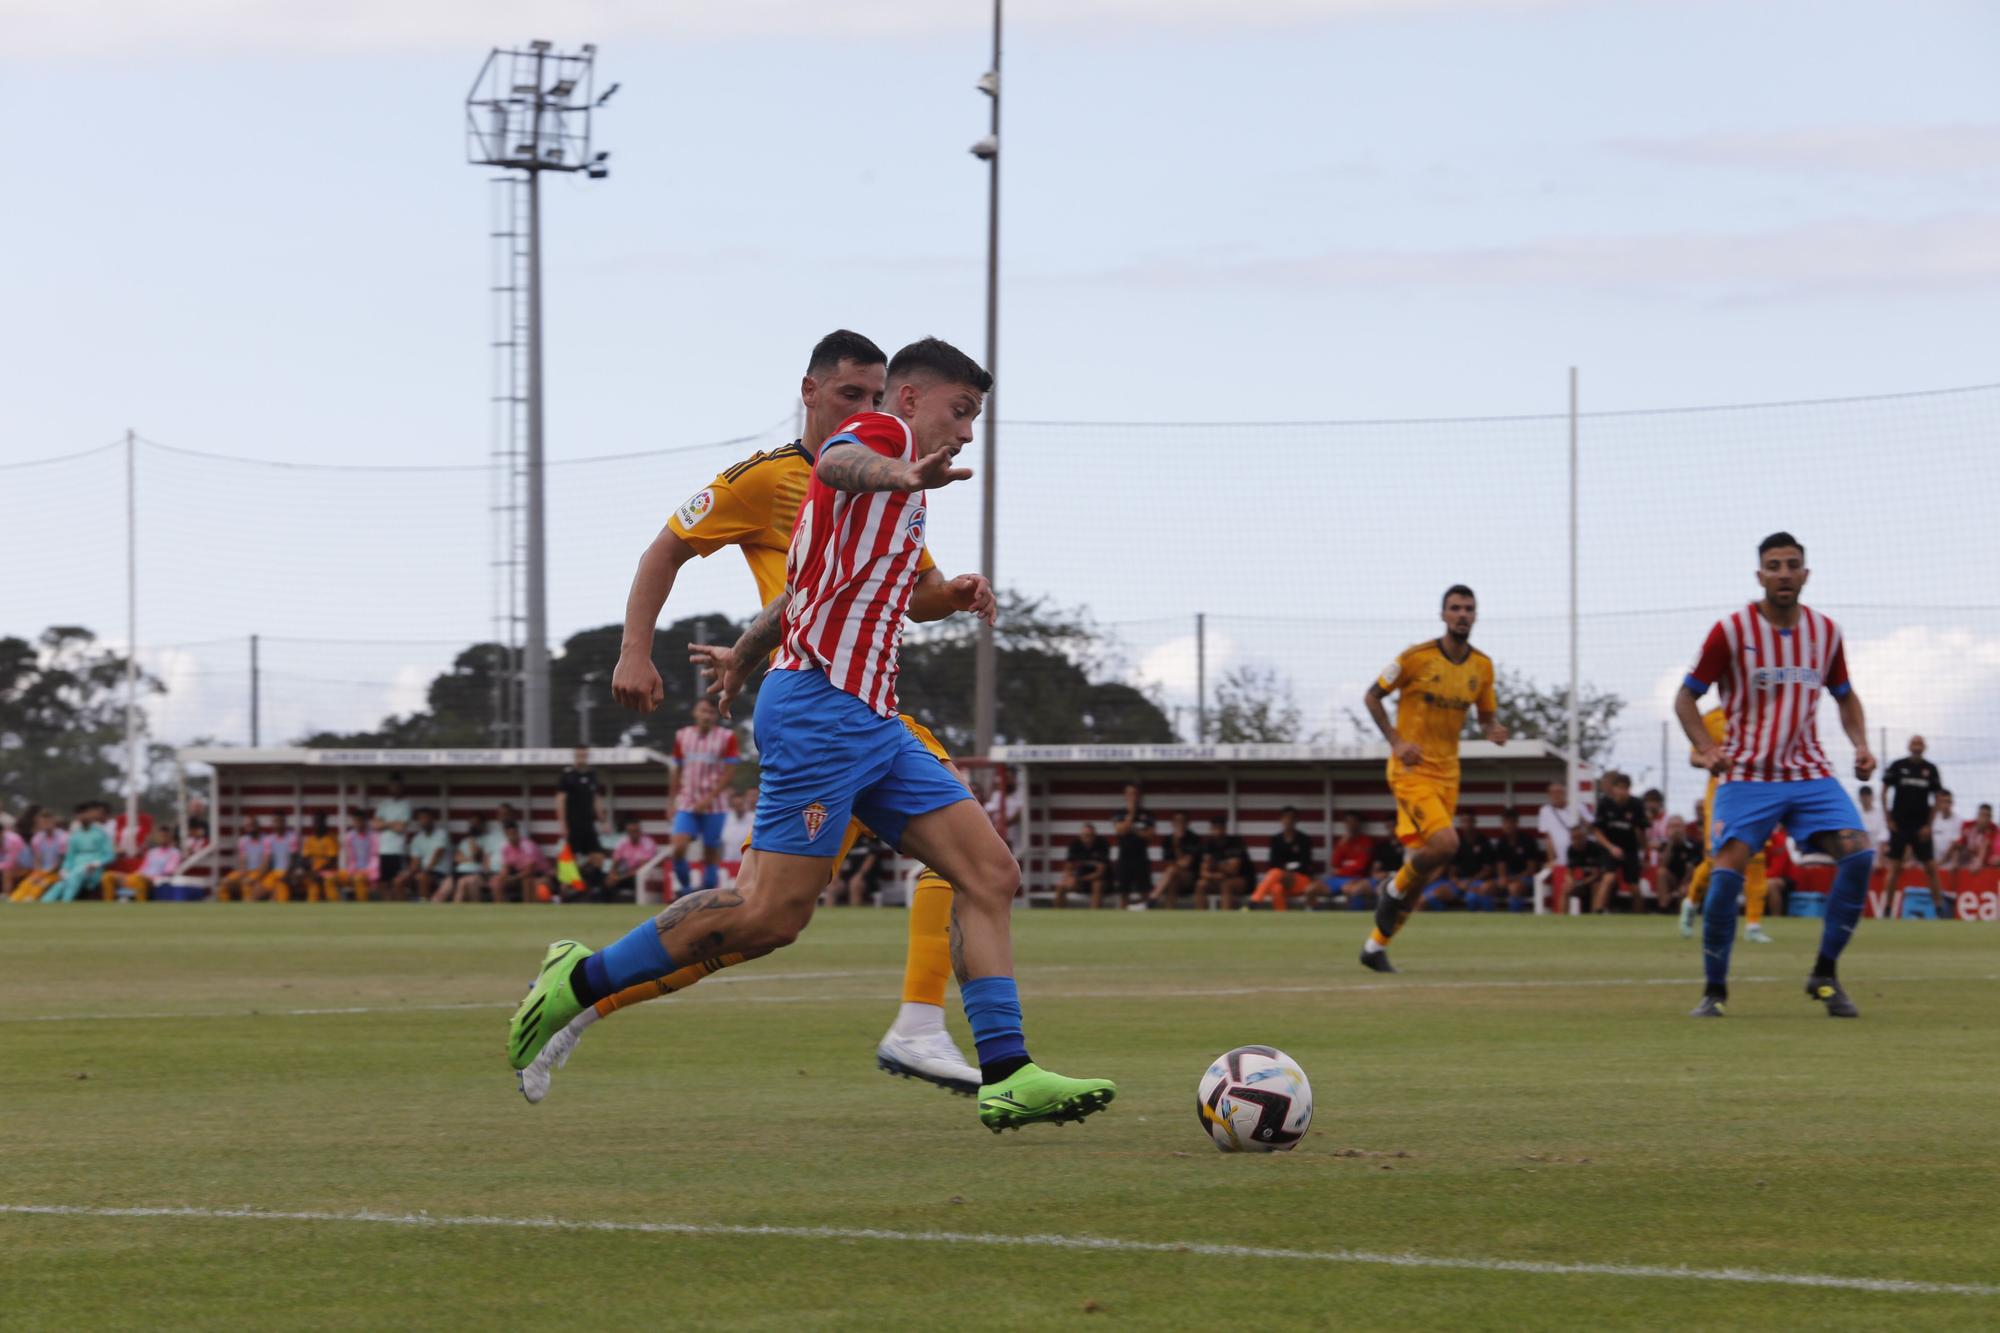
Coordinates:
1255	1099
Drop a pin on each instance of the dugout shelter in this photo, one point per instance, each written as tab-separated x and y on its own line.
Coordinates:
292	784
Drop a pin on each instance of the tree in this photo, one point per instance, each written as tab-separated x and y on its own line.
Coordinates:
1255	704
62	719
1539	712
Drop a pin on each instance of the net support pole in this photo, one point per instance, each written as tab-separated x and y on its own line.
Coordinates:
985	653
1666	781
133	765
1575	701
256	697
1200	678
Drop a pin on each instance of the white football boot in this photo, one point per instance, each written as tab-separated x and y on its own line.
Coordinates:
535	1079
931	1056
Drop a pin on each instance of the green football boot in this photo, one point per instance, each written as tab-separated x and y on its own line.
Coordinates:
1031	1095
549	1005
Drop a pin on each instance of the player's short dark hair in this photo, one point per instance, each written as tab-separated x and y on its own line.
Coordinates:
1777	539
1457	590
842	345
1944	791
1654	794
937	357
1868	789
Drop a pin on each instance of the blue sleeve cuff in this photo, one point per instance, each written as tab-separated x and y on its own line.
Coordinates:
1694	685
1842	690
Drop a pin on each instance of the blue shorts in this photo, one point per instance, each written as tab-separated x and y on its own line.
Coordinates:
706	829
1746	812
824	757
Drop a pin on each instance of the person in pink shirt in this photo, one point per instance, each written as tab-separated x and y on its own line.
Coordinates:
48	843
14	861
524	869
631	854
159	864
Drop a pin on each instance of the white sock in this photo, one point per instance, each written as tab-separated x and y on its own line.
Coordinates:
918	1020
1369	946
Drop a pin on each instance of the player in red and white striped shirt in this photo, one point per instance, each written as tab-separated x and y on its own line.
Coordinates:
1772	659
704	756
831	748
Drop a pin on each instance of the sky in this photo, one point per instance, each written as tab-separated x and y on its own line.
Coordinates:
250	229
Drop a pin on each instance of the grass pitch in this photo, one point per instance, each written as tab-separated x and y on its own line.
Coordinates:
1528	1092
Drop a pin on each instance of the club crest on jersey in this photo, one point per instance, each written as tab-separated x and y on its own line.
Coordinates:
815	817
914	525
697	507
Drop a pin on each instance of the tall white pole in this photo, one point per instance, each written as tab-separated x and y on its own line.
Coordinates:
985	653
132	762
1575	705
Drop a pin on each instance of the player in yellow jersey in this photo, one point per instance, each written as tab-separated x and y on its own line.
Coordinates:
752	507
1435	684
319	861
1756	876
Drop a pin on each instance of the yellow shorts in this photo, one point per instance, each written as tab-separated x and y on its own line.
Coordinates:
1423	806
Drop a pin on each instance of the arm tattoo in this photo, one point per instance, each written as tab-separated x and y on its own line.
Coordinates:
765	632
958	968
856	468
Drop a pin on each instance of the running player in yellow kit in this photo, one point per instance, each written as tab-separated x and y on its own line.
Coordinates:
752	507
1756	876
1435	683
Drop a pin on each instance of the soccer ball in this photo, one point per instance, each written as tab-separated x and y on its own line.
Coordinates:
1255	1099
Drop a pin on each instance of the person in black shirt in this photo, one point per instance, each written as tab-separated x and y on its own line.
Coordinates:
1909	788
580	806
1225	866
861	875
1089	868
1463	883
1134	831
1621	824
1683	854
1292	867
1181	851
1517	860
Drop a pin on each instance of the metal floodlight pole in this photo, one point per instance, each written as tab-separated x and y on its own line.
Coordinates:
132	763
985	702
530	111
1575	701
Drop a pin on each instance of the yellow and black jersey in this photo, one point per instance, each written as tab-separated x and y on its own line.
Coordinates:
1432	696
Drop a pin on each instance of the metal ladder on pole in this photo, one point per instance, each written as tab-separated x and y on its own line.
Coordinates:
509	456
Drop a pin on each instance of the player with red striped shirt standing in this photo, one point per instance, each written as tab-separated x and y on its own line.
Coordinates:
703	756
831	748
1772	659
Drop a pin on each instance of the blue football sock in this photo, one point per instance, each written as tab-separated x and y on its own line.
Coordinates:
1718	925
993	1008
1843	907
637	956
711	869
681	873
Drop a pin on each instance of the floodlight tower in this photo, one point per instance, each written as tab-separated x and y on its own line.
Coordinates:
528	112
984	665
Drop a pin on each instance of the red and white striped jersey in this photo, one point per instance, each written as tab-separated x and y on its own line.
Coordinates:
852	567
1771	681
704	761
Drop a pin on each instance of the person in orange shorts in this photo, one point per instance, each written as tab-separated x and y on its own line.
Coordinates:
1292	865
161	861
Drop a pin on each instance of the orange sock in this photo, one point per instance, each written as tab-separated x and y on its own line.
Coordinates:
1406	880
1756	887
661	987
927	964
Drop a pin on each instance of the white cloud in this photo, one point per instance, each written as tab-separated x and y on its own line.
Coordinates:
1903	687
1171	667
41	28
1885	150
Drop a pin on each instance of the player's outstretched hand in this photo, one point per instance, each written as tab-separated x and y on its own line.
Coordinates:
935	469
1864	764
727	673
972	594
636	685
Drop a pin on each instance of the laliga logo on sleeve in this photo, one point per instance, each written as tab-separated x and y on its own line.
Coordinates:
697	507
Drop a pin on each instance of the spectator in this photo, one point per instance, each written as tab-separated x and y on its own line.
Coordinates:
15	860
1003	806
861	877
1556	825
524	868
160	863
1979	840
1945	829
1181	856
360	869
629	857
1350	861
1617	831
471	868
285	875
1134	831
429	866
319	858
1780	874
47	842
1872	821
1909	788
736	827
1463	884
392	830
251	878
705	755
1292	865
87	855
1517	862
580	810
1087	868
1225	866
1684	853
1654	801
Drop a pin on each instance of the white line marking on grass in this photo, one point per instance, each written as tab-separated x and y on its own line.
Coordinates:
1148	993
1100	1244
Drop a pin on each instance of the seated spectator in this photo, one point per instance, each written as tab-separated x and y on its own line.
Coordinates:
1588	865
736	824
15	858
88	854
1388	863
1781	873
1873	821
47	842
1517	863
1683	855
861	877
1225	866
159	864
525	873
1292	865
1087	868
1463	884
1979	841
1558	827
359	869
472	870
631	854
429	866
319	861
1181	856
1351	860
